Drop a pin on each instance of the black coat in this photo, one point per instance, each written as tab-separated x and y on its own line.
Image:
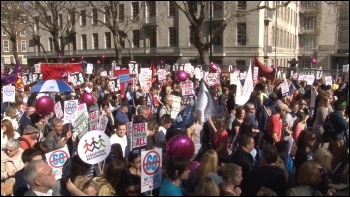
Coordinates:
243	159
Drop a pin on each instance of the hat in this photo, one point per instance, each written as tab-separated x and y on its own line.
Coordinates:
283	106
30	129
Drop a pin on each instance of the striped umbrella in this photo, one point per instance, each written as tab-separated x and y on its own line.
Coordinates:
52	86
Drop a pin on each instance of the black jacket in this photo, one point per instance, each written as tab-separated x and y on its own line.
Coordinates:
243	159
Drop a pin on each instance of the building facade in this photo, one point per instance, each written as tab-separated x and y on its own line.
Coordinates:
301	30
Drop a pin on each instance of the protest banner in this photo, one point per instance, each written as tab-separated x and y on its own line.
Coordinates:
58	110
76	79
94	147
284	88
93	120
187	89
176	107
139	136
55	70
70	111
9	93
56	160
81	124
328	80
151	169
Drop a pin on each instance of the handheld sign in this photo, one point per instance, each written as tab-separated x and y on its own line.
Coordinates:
56	159
8	93
58	110
328	80
139	135
70	111
175	107
284	88
187	89
81	124
103	122
151	169
93	119
94	147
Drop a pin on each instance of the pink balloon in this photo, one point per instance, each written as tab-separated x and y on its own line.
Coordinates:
194	165
180	145
213	68
87	98
181	75
44	105
313	61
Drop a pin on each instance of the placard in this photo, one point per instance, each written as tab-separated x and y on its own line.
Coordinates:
139	136
284	88
256	74
76	79
37	68
8	94
187	88
103	122
189	68
242	75
93	120
133	69
113	85
89	68
81	125
94	147
319	73
346	68
56	160
176	107
328	80
309	79
161	75
70	111
103	73
151	169
234	77
198	73
58	110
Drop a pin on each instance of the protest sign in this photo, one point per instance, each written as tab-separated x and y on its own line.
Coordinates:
58	110
328	80
139	136
76	79
103	122
37	68
89	68
94	147
309	79
187	88
9	93
255	74
93	119
176	107
81	124
234	77
161	75
70	111
151	169
284	88
56	159
113	85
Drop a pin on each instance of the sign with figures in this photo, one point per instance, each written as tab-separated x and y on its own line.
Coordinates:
94	147
76	79
187	89
81	124
151	169
56	160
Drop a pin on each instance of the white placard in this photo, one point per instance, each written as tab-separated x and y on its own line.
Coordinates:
187	88
309	79
56	159
139	135
328	80
284	88
81	124
234	77
319	73
9	93
189	68
37	68
89	68
255	74
103	73
103	122
346	68
175	107
151	169
242	75
161	74
70	111
58	110
94	147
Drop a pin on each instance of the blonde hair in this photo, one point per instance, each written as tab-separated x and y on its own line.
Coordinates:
11	112
207	187
309	174
82	183
324	157
230	171
208	164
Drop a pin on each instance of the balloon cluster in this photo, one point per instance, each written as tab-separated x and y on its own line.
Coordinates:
180	145
44	105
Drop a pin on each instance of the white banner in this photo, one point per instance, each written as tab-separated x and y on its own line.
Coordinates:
175	107
8	94
70	111
56	159
328	80
89	68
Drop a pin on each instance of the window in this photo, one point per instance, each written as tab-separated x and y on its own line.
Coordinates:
7	60
121	12
191	36
23	46
83	42
3	33
94	16
153	38
136	38
306	63
122	42
95	40
22	33
108	43
240	63
309	4
135	10
60	20
48	18
241	33
241	5
6	45
151	8
172	8
83	17
72	17
310	22
218	6
219	40
343	33
50	44
172	37
309	43
107	14
193	6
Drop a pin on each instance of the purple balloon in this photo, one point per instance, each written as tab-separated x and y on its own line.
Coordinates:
313	60
87	98
181	75
213	68
44	105
180	145
194	165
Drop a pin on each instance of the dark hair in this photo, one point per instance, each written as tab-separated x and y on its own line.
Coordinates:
303	139
133	155
115	174
239	111
269	153
42	146
65	128
176	166
282	146
30	153
117	151
244	139
140	100
121	123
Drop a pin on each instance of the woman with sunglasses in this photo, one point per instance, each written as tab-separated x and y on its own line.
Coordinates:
305	142
135	163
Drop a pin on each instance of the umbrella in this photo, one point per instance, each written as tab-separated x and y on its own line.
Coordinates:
52	86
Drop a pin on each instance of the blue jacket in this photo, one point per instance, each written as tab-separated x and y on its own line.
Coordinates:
121	117
340	125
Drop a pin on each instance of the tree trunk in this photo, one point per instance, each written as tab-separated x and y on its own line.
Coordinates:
37	40
57	48
204	55
130	49
14	50
117	48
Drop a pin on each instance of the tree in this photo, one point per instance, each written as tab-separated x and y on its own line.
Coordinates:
196	12
56	18
119	22
12	23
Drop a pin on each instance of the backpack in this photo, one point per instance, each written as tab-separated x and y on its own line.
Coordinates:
329	130
24	140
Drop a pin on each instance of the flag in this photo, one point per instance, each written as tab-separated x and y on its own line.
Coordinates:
185	117
243	93
265	71
206	106
154	71
12	77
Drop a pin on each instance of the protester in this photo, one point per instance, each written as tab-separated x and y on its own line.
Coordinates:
207	187
7	132
28	138
232	176
54	140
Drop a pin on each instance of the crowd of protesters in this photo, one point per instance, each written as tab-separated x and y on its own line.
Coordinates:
273	145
